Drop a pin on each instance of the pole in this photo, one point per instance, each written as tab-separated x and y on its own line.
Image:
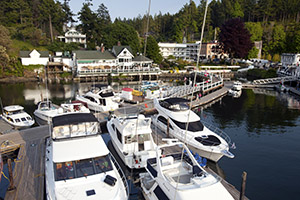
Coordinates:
1	105
168	127
11	178
243	187
50	24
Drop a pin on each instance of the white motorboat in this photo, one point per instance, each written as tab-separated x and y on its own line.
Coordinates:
78	164
175	174
234	92
46	110
132	139
17	117
186	126
237	85
100	98
74	107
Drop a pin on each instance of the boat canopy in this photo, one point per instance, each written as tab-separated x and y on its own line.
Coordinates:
13	108
74	118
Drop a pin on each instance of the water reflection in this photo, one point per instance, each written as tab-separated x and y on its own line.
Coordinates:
259	112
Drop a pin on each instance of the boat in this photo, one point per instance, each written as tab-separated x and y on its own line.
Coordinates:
132	139
17	117
234	92
46	110
78	165
175	174
100	98
237	85
175	117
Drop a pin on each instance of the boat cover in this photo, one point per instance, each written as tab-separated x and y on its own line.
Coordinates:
73	118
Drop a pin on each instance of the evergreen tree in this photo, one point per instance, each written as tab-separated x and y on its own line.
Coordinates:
235	38
152	50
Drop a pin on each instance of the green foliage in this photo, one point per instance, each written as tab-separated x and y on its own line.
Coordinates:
253	53
66	75
261	73
276	58
63	47
152	50
255	30
237	10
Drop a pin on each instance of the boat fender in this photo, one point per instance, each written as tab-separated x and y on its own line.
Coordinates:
110	180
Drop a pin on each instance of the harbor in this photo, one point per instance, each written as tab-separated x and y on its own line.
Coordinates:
31	142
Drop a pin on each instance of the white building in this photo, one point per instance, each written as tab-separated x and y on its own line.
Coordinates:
73	36
172	49
290	65
34	57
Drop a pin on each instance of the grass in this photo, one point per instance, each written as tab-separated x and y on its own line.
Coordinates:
18	45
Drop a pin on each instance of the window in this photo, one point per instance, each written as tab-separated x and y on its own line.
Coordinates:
102	164
193	126
23	119
163	120
119	135
84	167
64	171
17	120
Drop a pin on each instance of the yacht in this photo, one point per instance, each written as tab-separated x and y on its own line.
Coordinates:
46	110
237	85
17	117
100	98
175	174
175	117
234	92
78	165
132	139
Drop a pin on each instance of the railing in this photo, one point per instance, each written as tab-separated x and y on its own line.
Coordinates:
105	71
221	133
123	177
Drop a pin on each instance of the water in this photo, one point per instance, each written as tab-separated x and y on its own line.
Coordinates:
263	124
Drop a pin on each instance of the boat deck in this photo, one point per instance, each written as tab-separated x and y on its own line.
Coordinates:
157	135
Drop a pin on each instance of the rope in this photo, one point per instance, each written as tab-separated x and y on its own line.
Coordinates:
190	107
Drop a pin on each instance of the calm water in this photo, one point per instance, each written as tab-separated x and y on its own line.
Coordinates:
263	124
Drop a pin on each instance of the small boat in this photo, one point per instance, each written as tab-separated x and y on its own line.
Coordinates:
46	110
237	85
175	116
132	139
175	174
78	165
17	117
100	98
234	92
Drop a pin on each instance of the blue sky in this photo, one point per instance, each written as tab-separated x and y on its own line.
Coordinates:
132	8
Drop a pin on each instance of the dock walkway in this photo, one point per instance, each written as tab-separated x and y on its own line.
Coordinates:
29	165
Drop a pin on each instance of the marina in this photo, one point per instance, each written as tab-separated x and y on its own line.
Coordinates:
30	146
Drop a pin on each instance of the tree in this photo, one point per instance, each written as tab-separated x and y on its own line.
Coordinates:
255	30
235	38
103	22
237	10
277	43
152	50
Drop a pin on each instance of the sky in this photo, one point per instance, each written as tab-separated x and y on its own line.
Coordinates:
132	8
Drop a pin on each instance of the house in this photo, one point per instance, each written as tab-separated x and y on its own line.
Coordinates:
73	36
34	57
290	65
120	58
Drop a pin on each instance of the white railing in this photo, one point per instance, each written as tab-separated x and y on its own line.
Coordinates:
104	71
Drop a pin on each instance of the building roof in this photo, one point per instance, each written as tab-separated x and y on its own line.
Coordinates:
25	54
118	49
141	58
93	54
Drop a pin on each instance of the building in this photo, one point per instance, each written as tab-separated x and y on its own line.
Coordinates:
189	51
34	57
120	59
73	36
290	65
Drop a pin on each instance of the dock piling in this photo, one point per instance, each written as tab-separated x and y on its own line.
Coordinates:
243	187
11	178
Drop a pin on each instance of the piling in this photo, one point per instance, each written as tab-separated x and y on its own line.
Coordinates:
243	187
11	178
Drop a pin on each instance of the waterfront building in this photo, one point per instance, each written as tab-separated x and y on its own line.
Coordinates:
34	57
73	35
290	65
189	51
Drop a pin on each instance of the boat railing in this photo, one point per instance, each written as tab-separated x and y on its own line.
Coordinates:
123	177
220	133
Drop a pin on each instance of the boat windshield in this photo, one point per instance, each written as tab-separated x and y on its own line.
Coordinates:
75	130
175	107
81	168
140	139
192	126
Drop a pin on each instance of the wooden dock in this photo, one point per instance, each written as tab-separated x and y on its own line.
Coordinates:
5	127
29	165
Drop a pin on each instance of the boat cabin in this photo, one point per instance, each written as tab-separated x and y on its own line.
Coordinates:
175	104
74	125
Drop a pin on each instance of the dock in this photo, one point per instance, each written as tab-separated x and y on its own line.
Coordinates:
5	127
29	166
